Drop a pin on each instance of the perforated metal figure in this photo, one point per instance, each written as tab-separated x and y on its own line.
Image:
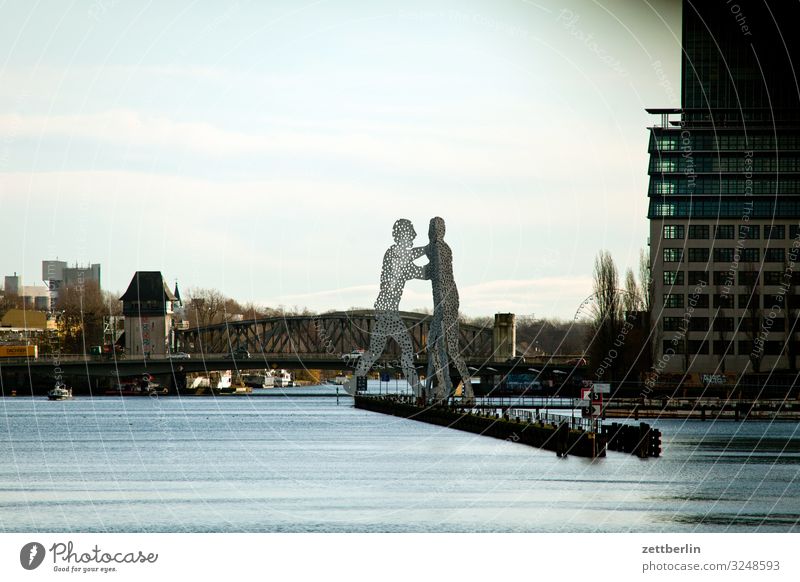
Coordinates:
398	267
443	336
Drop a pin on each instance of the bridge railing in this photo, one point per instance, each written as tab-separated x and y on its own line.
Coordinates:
526	402
575	422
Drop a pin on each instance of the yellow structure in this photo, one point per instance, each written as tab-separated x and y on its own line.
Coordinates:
26	319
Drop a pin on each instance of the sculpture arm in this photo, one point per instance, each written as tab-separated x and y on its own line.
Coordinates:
417	252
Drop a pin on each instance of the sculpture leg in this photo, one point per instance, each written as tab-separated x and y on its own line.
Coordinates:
434	382
445	385
377	343
407	360
458	361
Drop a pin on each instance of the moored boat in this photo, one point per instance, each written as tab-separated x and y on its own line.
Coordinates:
144	386
60	392
283	379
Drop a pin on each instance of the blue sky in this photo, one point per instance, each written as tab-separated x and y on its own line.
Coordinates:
266	148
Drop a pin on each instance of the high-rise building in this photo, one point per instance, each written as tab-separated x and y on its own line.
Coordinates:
724	194
58	275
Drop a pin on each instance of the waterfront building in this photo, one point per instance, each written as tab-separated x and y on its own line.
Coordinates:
147	306
724	195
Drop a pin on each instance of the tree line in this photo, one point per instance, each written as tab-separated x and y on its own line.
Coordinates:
619	339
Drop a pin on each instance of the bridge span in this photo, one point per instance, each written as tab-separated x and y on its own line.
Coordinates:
327	341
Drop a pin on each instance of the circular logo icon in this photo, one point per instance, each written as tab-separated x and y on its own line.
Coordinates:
31	555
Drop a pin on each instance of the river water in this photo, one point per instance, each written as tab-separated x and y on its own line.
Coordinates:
310	464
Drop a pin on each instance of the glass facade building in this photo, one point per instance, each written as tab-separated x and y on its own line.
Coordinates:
724	194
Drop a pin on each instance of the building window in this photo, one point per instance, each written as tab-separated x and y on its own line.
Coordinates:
698	324
773	255
749	301
723	347
745	347
749	322
723	278
775	232
773	277
672	323
699	231
794	231
698	255
773	348
723	255
674	348
673	231
725	232
774	302
673	300
699	347
723	324
749	231
673	277
673	255
699	300
776	324
698	278
666	209
723	301
750	256
748	277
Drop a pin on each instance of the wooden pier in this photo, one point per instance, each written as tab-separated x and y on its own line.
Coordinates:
564	436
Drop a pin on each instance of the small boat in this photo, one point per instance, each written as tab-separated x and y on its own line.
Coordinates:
144	386
258	380
283	379
60	392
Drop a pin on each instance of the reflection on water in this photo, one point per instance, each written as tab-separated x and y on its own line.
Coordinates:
307	464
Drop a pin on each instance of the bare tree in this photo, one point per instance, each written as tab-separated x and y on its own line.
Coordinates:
204	306
645	281
9	301
632	300
112	303
81	310
606	314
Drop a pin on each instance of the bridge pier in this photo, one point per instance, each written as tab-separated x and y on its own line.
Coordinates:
504	336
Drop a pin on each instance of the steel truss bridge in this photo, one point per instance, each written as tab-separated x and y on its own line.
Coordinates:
327	341
333	334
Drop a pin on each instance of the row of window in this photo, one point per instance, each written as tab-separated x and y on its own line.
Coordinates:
725	208
677	163
723	255
728	347
724	324
722	301
723	141
661	185
729	231
677	278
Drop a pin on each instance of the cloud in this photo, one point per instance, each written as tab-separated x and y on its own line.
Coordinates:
381	145
545	295
497	151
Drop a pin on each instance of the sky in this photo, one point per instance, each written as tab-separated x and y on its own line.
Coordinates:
266	148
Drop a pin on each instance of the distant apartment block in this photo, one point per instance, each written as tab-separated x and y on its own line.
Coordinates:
57	275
